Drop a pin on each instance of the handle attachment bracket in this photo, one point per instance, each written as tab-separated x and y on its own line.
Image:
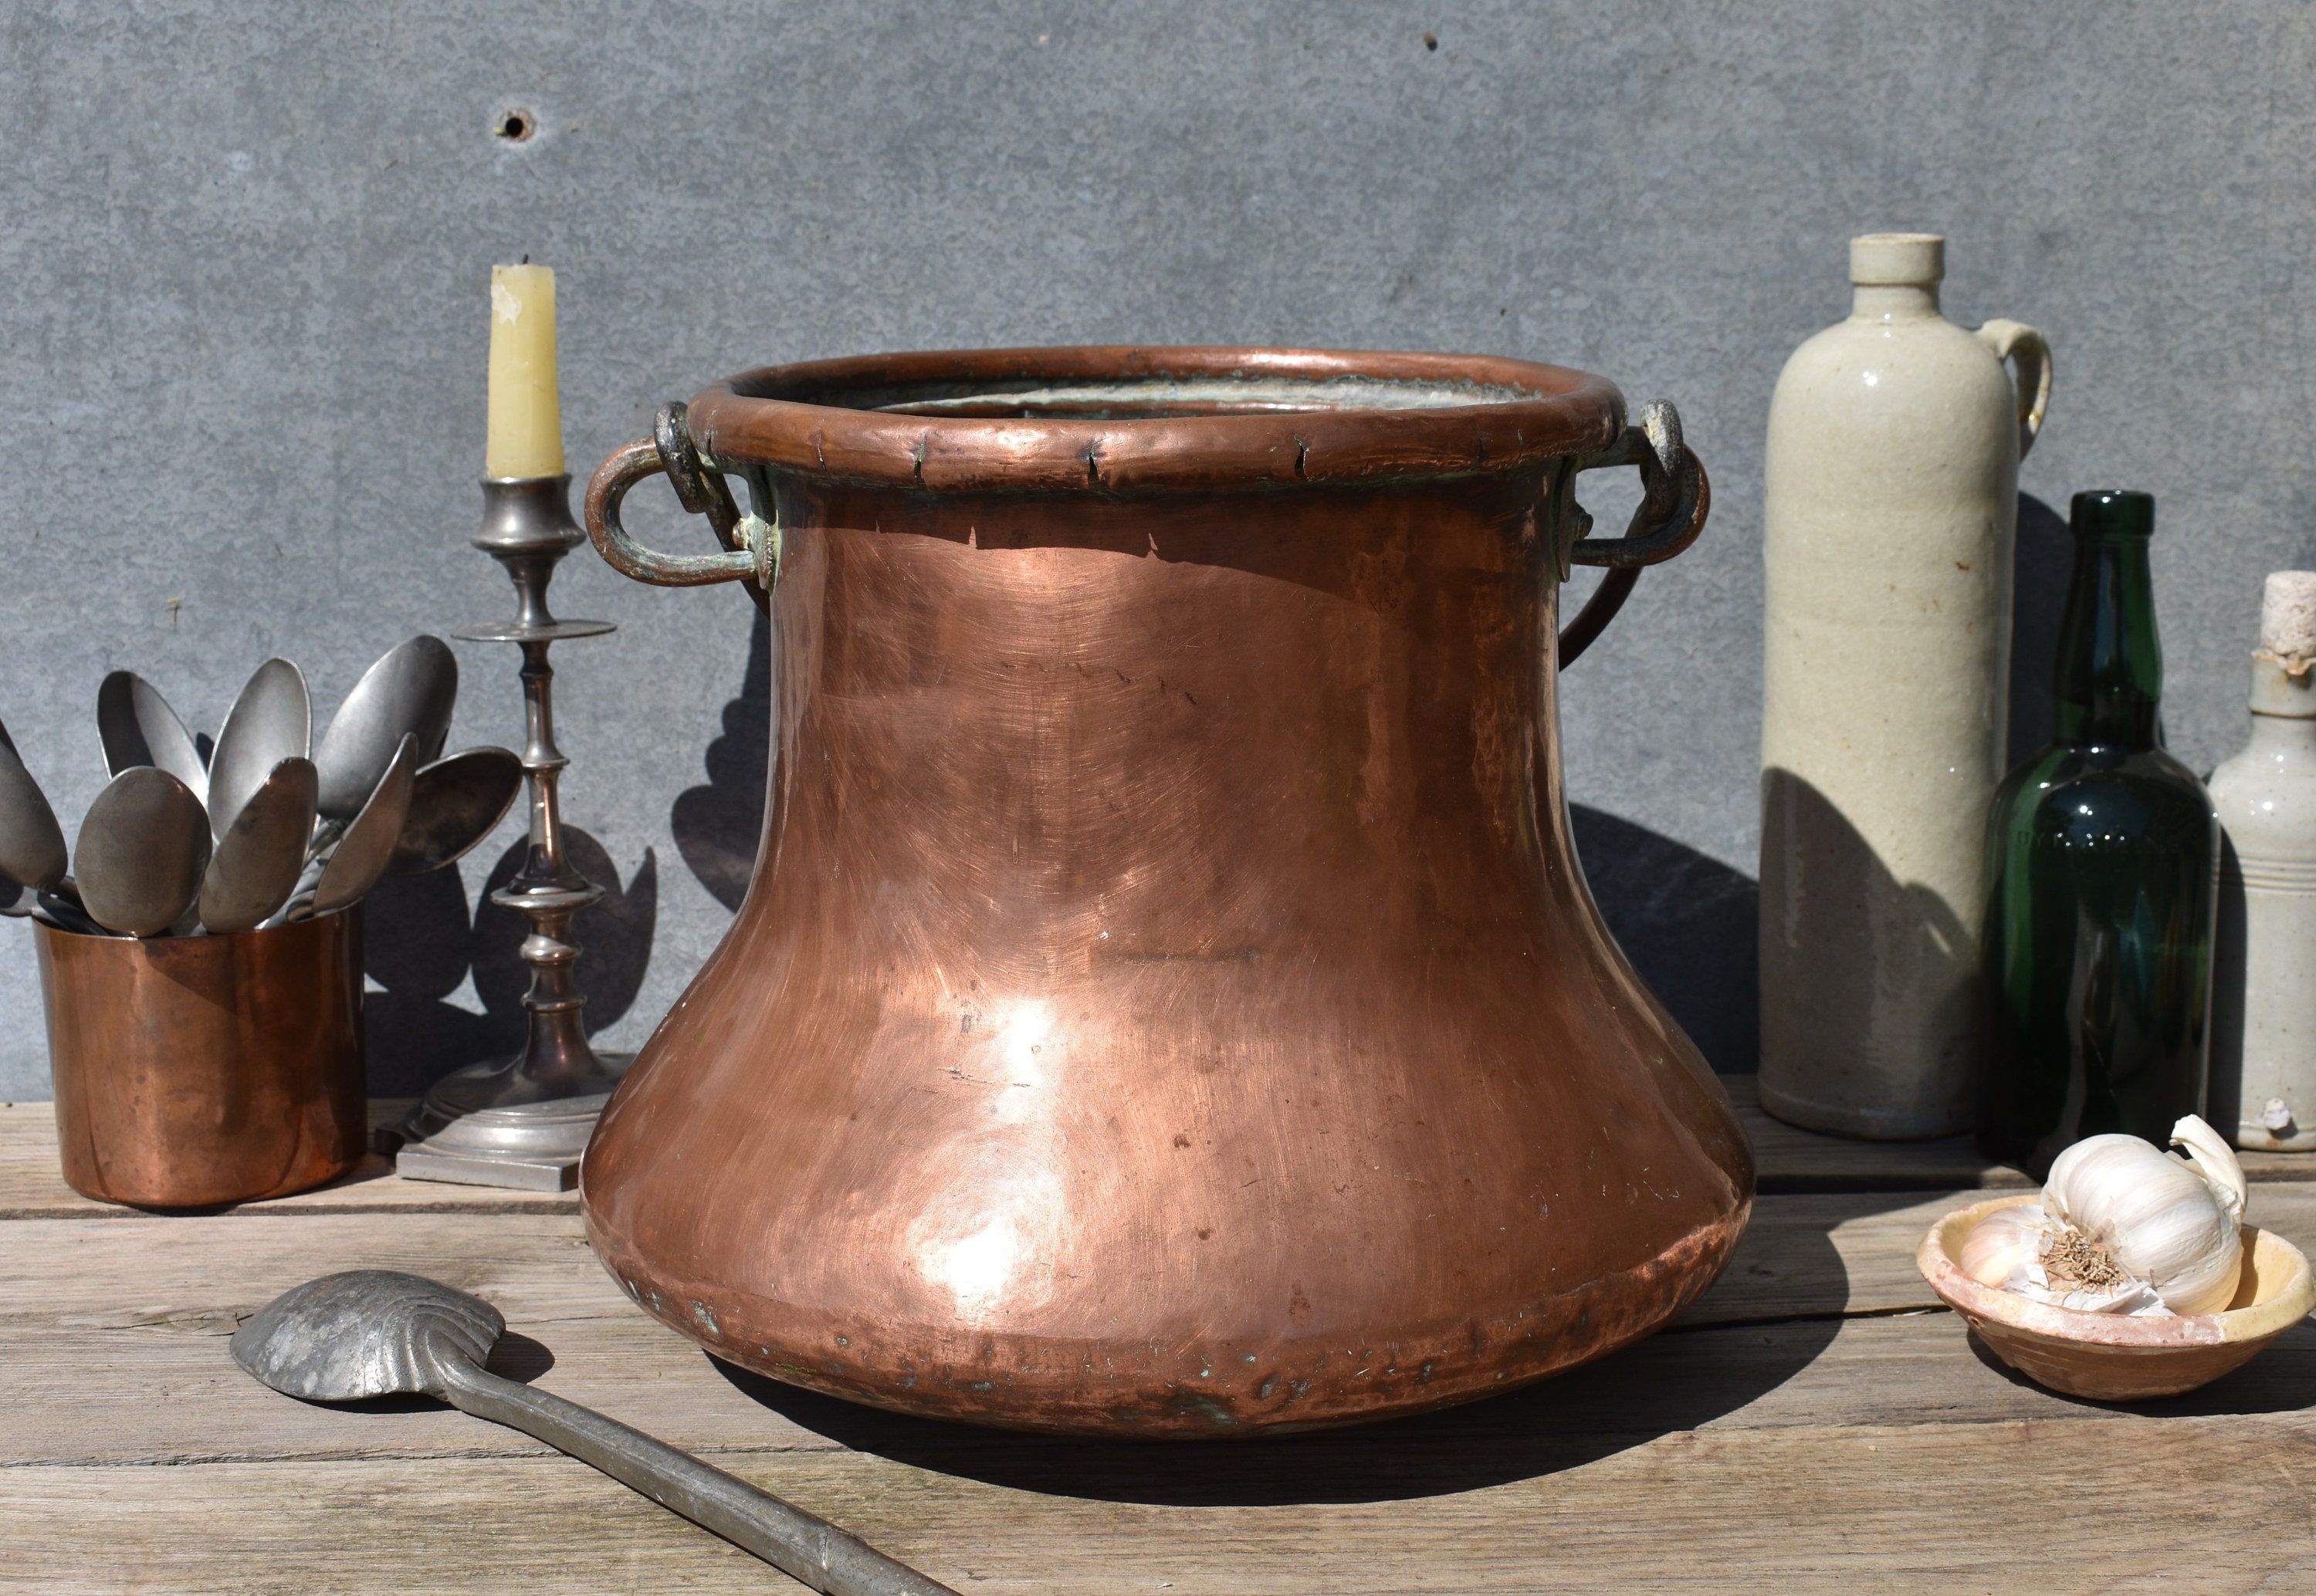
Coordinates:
752	545
1676	497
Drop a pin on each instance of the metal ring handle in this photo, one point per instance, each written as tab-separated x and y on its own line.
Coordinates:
751	544
1676	497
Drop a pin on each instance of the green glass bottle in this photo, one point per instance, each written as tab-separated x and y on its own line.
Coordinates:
2103	871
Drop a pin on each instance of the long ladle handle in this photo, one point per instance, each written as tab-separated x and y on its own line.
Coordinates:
792	1540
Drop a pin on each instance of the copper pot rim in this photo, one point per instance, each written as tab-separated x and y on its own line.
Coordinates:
166	946
1213	418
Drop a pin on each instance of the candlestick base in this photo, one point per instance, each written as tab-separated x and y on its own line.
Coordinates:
530	1147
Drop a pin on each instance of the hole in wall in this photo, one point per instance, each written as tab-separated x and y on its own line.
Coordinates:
515	124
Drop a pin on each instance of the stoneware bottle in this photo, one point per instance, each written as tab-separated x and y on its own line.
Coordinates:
1891	490
2264	984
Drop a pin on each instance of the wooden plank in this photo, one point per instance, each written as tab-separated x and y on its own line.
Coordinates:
1788	1161
33	1186
2117	1504
111	1347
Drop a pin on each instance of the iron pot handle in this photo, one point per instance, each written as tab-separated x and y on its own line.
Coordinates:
1675	496
752	545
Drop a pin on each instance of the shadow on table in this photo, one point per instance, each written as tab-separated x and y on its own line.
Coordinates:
1680	1380
422	942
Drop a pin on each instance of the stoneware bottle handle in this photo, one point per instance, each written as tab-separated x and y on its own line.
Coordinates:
1675	496
2022	346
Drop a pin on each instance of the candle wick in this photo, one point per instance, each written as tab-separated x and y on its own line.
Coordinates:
526	259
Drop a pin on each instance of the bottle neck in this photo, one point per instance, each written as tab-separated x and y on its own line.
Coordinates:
2279	737
1894	302
2110	680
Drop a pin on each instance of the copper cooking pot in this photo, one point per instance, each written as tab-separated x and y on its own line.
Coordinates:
1167	1002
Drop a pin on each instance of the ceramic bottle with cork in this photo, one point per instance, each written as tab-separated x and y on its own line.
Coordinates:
1892	506
2263	1087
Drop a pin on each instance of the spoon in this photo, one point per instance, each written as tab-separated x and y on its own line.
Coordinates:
142	849
257	865
53	909
454	804
271	720
367	842
378	1333
59	906
137	727
31	842
409	692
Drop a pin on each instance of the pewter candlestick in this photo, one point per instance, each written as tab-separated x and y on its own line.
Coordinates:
523	1121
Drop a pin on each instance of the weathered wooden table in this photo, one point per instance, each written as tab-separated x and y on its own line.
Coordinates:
1817	1421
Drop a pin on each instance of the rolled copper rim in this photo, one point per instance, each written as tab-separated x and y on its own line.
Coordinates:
1133	418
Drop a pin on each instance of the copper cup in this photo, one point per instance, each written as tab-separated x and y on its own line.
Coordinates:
196	1070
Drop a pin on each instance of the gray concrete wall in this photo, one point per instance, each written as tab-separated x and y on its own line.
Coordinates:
242	331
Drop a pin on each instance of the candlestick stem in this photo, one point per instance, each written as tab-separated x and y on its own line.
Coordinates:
524	1121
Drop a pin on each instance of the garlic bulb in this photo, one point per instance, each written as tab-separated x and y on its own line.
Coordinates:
2168	1223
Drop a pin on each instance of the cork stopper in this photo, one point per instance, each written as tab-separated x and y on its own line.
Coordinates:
1897	260
2287	619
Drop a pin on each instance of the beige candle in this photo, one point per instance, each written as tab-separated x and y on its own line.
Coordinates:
526	417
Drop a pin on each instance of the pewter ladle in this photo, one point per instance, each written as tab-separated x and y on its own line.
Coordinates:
379	1332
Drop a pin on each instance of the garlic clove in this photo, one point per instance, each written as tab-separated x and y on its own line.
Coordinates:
2215	1160
2003	1242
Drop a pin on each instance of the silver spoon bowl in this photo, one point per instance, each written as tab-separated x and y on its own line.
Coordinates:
454	803
31	844
410	692
272	719
143	849
137	727
257	861
360	855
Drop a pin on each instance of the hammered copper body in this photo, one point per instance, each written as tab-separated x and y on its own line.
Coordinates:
196	1070
1168	1003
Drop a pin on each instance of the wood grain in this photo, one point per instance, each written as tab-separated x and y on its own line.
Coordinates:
2117	1504
1788	1161
1805	1328
32	1187
1809	1425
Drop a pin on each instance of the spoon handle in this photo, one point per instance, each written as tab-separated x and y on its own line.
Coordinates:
792	1540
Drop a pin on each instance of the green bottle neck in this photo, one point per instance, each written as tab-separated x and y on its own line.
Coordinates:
2109	681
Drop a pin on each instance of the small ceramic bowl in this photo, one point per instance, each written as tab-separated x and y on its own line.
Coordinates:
2111	1357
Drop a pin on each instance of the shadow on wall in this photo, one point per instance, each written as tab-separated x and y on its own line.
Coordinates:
1689	924
420	942
717	826
2038	593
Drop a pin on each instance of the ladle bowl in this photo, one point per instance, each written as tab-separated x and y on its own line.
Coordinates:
377	1332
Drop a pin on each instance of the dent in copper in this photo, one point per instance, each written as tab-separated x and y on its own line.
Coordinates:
197	1070
1167	1002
